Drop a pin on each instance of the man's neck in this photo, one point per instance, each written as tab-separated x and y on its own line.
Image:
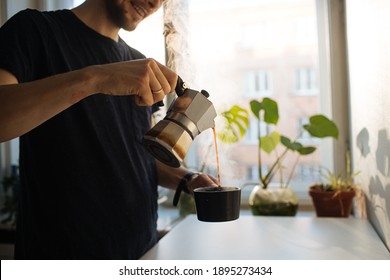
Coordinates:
87	13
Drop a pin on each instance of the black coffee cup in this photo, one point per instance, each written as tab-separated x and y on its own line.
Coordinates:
217	204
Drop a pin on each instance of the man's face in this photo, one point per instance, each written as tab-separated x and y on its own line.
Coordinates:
127	14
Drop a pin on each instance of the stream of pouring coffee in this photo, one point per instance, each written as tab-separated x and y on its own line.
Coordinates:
216	156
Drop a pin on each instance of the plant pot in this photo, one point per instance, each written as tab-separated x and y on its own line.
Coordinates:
273	201
217	204
331	203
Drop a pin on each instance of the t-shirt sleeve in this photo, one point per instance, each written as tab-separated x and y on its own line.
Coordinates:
20	45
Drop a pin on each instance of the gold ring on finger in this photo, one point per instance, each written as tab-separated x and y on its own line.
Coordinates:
157	91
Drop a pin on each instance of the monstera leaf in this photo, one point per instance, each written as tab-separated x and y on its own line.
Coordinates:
236	124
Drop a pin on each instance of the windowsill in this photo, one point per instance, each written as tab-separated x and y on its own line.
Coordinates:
169	217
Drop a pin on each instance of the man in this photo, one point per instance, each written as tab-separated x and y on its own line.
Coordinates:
81	100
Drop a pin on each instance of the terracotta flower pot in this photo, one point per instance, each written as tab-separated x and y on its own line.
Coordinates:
331	203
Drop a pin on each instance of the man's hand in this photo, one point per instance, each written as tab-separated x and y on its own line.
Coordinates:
147	79
201	180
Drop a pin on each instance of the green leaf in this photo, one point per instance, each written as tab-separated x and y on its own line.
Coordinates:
294	146
271	113
321	127
237	122
306	150
256	106
270	108
228	135
269	142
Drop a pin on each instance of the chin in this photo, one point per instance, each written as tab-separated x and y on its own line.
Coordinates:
118	15
129	26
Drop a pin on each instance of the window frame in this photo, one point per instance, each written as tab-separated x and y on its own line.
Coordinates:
334	79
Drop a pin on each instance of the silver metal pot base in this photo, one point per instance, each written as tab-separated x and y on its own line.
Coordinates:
160	152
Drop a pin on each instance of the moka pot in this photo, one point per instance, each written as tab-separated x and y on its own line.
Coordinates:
189	114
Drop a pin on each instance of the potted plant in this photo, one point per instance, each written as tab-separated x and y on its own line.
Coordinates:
265	200
334	197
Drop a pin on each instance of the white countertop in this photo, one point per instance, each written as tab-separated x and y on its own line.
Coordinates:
271	238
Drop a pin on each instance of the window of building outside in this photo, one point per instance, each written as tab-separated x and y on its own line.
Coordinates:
257	84
306	81
252	132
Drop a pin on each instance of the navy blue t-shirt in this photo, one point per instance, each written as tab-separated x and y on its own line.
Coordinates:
89	188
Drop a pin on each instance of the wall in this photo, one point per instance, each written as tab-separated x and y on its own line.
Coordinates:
15	6
3	11
9	8
368	25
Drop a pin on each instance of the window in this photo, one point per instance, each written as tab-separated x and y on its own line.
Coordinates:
258	84
231	41
253	172
229	48
306	81
309	172
256	33
252	132
148	37
302	29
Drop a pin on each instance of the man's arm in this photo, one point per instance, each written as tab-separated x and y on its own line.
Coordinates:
170	177
27	105
24	106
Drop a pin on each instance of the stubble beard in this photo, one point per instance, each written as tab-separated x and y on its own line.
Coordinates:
117	16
